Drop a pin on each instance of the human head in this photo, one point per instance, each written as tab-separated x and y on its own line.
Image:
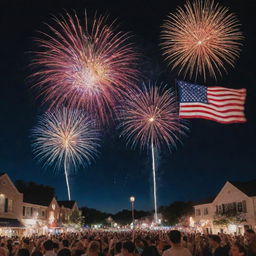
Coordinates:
118	247
55	246
36	253
23	252
214	241
48	245
250	234
174	236
237	250
128	247
65	243
150	251
64	252
94	247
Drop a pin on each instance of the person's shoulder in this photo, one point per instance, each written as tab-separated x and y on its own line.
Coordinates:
187	252
166	252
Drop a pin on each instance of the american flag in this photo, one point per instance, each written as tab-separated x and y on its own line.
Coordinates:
219	104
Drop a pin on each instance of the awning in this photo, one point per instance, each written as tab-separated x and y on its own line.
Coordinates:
10	223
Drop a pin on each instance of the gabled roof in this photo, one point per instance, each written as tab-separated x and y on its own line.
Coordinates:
39	200
67	204
8	178
205	201
247	187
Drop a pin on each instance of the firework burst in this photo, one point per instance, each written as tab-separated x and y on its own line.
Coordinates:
65	139
201	38
150	118
87	65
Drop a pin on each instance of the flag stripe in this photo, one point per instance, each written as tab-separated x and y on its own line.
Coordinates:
226	102
221	93
226	120
220	104
220	108
213	112
222	89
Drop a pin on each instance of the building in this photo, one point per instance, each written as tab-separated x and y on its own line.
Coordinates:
233	210
66	210
19	214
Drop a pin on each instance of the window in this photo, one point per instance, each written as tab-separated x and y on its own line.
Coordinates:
244	206
10	205
28	211
2	202
6	205
24	211
239	207
198	212
205	211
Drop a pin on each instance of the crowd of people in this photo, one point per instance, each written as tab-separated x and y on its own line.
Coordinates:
130	243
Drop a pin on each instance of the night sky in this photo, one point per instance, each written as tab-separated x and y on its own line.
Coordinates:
211	154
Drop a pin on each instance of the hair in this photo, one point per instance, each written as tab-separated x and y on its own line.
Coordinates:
118	247
150	251
26	241
175	236
241	248
48	245
94	246
37	253
250	231
23	252
215	238
56	246
78	252
65	243
129	246
64	252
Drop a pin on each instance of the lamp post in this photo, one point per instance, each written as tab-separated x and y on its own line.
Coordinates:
132	200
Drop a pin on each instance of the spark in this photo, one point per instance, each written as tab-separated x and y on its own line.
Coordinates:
85	65
201	38
65	139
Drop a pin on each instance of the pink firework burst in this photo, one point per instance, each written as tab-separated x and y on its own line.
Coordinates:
150	117
87	65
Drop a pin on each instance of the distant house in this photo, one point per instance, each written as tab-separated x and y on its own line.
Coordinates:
11	203
233	210
66	209
19	213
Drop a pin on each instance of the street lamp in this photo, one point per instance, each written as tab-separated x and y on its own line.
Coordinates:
132	200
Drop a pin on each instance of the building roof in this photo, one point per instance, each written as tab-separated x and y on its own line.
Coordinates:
10	223
205	201
247	187
67	204
38	200
2	173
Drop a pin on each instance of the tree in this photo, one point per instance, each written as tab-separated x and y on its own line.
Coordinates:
76	219
229	217
175	211
35	193
93	216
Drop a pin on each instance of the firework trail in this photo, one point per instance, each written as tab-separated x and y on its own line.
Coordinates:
200	38
65	139
149	118
86	65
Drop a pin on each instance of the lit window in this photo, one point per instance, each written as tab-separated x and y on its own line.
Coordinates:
10	205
